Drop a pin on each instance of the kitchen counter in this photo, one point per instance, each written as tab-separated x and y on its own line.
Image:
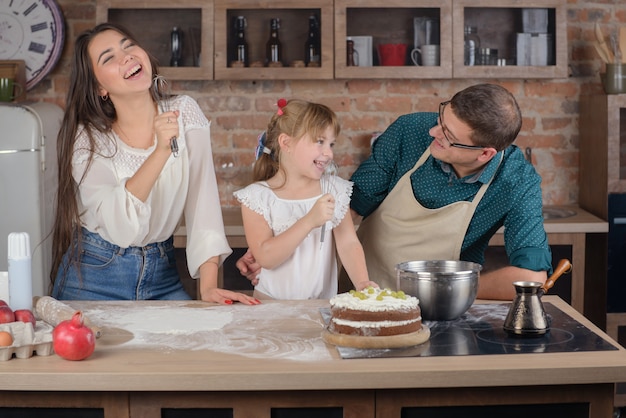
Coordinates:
191	354
583	222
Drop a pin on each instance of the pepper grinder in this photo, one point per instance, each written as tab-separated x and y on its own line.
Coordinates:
20	272
176	38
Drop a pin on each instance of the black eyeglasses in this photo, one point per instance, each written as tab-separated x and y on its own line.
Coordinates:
442	105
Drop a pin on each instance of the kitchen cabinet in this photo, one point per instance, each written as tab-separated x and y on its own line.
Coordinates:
208	29
602	150
270	361
498	22
151	22
602	178
293	33
391	23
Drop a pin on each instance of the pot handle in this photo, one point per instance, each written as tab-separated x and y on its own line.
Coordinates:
563	267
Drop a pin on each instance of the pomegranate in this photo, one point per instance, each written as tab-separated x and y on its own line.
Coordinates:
72	340
6	315
26	316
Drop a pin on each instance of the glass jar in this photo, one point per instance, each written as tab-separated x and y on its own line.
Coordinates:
472	45
313	45
487	56
273	47
350	52
240	49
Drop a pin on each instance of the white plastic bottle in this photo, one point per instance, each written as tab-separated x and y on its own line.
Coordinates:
20	272
472	45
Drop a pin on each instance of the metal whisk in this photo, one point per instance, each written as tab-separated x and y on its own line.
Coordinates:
163	92
327	182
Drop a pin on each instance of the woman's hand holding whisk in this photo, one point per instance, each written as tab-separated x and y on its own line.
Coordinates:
168	117
166	128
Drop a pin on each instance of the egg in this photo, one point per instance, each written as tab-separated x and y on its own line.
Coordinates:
6	339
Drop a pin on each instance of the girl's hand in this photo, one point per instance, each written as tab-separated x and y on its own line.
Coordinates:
227	297
166	128
364	285
249	267
322	211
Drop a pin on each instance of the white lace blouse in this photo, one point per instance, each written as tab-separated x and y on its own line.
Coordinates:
187	185
311	271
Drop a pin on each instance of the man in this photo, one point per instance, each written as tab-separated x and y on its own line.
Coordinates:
439	185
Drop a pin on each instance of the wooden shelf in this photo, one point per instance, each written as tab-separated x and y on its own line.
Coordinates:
602	138
292	34
151	22
391	22
498	21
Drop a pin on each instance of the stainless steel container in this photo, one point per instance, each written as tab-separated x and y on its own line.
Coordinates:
445	288
526	315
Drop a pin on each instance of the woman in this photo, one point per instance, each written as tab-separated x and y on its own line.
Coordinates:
132	161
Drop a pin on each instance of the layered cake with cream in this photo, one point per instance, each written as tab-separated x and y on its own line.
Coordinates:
374	312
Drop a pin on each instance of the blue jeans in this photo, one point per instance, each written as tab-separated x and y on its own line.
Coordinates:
108	272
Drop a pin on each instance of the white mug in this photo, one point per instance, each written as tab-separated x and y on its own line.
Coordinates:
429	55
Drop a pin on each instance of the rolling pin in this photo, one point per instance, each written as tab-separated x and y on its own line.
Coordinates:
54	312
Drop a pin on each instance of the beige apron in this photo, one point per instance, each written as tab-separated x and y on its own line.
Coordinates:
401	229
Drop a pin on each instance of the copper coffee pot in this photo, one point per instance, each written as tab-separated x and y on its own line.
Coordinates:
526	316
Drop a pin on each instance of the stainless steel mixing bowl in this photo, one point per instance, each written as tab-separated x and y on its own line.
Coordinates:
445	288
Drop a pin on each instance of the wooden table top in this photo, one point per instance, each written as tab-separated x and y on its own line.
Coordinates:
193	345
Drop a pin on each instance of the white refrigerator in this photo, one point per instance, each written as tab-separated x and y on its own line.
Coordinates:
28	182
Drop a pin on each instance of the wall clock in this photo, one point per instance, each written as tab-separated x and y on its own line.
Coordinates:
33	31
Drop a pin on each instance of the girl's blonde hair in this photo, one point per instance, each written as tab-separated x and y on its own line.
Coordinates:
295	119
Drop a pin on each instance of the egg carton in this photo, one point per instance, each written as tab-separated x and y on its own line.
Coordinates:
27	340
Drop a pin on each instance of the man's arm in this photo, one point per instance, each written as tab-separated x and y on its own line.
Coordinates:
498	284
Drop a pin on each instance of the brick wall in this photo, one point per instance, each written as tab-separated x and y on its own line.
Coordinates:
239	110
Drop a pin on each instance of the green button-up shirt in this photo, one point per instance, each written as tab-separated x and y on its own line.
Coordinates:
513	199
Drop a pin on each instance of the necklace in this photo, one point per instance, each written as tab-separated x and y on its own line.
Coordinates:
129	141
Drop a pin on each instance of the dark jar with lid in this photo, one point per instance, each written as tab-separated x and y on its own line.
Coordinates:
312	46
240	45
273	54
350	52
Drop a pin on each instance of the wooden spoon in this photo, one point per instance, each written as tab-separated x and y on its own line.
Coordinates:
602	43
601	52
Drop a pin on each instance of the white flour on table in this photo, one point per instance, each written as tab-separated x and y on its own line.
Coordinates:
252	331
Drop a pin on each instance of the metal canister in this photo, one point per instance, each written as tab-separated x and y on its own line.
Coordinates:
176	41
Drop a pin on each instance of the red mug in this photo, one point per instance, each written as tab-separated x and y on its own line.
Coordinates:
392	54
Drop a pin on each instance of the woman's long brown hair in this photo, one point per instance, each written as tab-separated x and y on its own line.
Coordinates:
87	110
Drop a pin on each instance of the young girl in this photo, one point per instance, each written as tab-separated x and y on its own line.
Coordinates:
131	161
284	210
